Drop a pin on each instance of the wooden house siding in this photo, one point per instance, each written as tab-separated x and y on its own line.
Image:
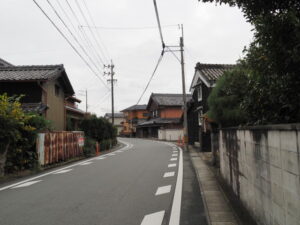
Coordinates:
56	112
31	91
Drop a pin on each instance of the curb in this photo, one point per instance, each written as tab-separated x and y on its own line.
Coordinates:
202	194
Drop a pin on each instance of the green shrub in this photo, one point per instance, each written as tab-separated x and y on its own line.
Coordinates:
22	153
89	148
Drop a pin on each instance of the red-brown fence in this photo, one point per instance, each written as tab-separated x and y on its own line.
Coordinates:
54	147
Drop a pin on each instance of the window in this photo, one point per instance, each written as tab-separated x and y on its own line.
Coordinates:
56	90
199	91
200	114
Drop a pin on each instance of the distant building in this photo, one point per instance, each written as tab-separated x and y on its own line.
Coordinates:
118	120
133	116
164	122
204	80
45	89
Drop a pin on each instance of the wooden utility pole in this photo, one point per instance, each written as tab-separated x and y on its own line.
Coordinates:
185	125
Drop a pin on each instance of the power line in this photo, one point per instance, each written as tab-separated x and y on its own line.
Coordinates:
97	33
93	35
158	23
100	100
79	33
128	28
83	32
74	37
73	47
152	75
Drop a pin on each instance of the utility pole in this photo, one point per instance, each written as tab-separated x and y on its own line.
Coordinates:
86	101
111	80
185	125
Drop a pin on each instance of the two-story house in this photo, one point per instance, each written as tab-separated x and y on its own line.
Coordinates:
204	80
165	112
133	116
74	114
118	120
45	89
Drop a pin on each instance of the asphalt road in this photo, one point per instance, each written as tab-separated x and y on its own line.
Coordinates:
134	185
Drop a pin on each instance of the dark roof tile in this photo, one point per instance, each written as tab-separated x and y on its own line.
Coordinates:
169	99
213	72
25	73
135	107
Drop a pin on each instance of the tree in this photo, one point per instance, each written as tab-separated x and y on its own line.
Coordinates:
272	59
226	97
12	120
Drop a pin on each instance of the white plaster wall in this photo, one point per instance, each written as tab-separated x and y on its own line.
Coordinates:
171	134
268	172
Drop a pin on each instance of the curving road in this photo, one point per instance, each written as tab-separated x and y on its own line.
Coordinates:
133	185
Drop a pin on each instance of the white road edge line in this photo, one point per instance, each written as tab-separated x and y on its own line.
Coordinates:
154	218
176	206
63	171
55	171
85	163
26	184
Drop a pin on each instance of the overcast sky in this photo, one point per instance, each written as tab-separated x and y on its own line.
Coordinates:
213	34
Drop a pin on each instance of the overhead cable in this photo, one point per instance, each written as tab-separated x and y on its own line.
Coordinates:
158	23
93	35
97	33
79	32
151	77
83	33
74	37
69	42
128	28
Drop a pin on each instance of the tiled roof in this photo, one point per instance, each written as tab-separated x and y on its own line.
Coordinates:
4	63
159	121
116	115
213	72
34	107
69	108
169	99
135	107
26	73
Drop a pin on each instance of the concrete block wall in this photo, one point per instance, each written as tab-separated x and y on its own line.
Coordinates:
262	166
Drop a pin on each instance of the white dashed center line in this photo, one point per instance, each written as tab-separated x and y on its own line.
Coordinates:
169	174
172	165
63	171
154	218
163	190
26	184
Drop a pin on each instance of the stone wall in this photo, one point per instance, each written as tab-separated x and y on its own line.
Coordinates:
262	166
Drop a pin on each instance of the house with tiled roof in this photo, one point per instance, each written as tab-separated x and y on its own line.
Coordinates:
164	122
45	89
118	120
133	115
204	80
